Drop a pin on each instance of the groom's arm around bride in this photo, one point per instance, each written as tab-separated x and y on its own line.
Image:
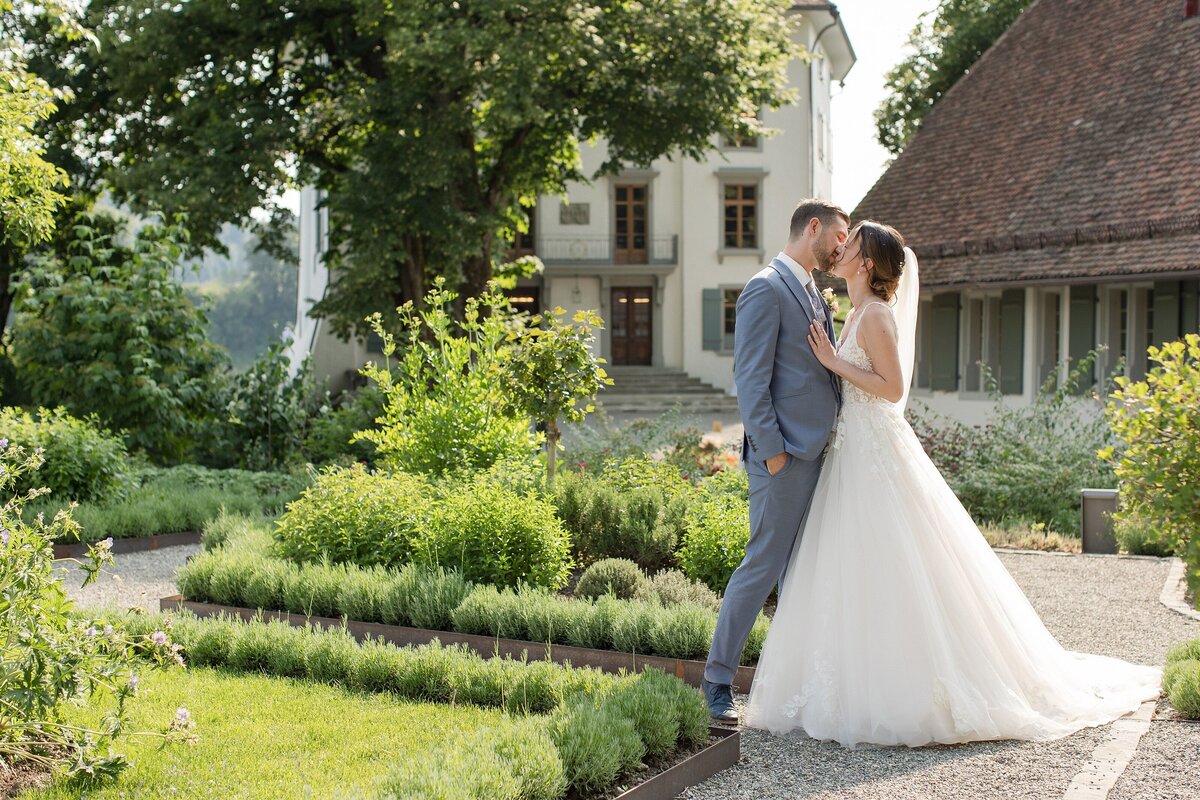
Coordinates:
788	403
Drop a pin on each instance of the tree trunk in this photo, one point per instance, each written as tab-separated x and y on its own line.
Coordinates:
552	436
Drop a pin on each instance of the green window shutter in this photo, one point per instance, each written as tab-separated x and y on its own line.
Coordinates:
945	342
1012	341
1189	306
1166	312
712	319
1082	335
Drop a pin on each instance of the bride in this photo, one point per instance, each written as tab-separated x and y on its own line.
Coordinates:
896	623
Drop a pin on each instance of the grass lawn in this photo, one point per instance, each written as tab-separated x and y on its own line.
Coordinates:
268	738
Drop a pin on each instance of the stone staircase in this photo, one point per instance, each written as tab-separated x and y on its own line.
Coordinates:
653	390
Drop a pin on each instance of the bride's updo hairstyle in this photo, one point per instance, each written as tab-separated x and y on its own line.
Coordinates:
884	245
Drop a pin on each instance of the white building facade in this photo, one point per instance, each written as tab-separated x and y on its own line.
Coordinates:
662	252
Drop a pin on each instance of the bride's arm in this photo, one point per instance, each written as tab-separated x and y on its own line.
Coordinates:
877	337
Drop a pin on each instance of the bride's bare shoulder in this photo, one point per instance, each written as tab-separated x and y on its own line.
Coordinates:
877	319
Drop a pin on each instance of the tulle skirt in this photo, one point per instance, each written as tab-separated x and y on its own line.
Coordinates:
898	625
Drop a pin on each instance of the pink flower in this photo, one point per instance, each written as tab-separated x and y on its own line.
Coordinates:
159	638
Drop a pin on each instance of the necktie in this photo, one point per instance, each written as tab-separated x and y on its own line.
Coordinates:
818	305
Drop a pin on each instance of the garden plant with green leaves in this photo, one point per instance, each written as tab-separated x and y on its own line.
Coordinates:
1157	456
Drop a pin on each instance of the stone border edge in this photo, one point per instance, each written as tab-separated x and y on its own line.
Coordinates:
1174	591
689	671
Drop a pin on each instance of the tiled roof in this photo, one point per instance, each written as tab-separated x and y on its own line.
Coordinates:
1071	150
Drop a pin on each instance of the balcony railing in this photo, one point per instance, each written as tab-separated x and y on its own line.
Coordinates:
603	250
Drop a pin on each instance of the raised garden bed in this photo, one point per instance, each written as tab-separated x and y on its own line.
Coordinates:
134	545
696	768
689	671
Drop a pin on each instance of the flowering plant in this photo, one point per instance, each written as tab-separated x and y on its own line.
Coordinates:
52	655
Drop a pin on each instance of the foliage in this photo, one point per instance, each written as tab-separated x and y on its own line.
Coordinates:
266	414
242	573
428	128
1157	424
178	499
1137	535
330	435
51	657
355	516
670	587
515	760
1027	464
444	406
82	460
1022	535
494	535
1181	678
717	528
667	436
634	509
943	47
105	329
618	577
550	369
596	743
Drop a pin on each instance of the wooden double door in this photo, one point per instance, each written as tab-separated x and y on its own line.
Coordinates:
631	325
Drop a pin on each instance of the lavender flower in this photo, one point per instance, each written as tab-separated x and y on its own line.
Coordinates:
4	535
4	443
133	683
159	638
91	632
182	716
105	544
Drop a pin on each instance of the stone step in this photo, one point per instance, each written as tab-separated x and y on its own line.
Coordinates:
714	403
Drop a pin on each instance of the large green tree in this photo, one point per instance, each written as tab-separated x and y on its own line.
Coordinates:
31	188
945	44
429	125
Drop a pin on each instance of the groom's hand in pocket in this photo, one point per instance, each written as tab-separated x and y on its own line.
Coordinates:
777	463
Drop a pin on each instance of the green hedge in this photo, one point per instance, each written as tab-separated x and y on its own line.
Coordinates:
599	727
486	530
714	543
439	599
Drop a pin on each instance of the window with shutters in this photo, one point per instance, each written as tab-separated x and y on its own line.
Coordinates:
729	298
1081	336
923	374
982	351
944	350
1050	338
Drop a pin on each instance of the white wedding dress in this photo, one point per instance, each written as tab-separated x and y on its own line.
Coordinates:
898	625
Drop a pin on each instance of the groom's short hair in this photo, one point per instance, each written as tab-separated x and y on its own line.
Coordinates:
823	210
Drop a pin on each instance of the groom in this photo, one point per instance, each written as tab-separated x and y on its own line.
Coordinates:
788	403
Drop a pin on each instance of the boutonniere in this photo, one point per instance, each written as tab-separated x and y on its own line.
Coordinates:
831	301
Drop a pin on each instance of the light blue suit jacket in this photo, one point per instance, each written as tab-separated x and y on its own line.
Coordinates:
787	399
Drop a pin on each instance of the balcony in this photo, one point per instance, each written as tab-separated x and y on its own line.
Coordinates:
602	251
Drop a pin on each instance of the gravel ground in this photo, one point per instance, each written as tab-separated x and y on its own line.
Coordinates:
1098	605
138	579
1166	765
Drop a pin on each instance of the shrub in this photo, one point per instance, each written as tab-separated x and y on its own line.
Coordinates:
493	535
637	517
596	744
444	407
313	589
330	436
1135	534
670	587
425	596
616	576
1027	463
714	542
1184	651
1158	458
1181	682
683	631
633	628
107	329
82	460
351	515
515	761
651	709
756	639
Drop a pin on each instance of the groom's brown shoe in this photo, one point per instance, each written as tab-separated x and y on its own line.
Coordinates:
719	697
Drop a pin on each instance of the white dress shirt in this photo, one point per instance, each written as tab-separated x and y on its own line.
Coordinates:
810	286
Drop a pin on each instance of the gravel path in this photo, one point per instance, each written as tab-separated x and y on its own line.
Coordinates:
1093	604
138	579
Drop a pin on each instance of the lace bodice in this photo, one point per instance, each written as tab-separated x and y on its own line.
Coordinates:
849	349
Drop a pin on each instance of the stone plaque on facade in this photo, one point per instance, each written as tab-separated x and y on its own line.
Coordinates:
575	214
